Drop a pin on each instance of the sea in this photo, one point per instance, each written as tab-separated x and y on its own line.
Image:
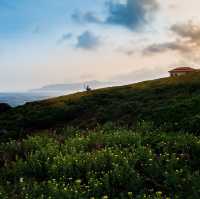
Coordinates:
17	99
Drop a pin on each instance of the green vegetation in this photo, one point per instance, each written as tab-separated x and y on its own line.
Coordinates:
96	145
172	104
106	163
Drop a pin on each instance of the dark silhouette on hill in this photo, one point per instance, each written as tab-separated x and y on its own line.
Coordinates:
88	88
4	107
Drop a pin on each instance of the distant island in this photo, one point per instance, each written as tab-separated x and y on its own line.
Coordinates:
19	98
80	86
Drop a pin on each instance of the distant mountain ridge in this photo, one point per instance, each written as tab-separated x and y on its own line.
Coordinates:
73	86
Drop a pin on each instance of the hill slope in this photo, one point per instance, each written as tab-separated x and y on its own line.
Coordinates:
170	103
109	161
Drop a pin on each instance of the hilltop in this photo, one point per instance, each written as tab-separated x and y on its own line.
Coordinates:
170	103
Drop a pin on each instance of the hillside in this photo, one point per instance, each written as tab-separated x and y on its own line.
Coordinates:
168	103
139	141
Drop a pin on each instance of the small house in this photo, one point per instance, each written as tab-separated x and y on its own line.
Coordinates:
181	71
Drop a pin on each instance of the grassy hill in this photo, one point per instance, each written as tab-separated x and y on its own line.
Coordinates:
169	103
139	141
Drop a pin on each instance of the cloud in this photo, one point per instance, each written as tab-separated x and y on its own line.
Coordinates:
132	13
163	47
65	37
188	30
87	40
187	40
88	17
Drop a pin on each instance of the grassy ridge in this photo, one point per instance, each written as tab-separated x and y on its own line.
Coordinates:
107	163
173	103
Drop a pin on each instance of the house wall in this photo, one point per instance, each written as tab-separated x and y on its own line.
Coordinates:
176	74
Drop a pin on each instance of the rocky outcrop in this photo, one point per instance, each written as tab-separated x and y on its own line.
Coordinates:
4	107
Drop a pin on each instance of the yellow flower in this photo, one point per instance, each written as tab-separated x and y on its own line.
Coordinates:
130	194
159	193
78	181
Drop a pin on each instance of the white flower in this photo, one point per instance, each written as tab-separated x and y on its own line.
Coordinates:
21	180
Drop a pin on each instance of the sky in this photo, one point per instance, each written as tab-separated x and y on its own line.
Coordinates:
60	41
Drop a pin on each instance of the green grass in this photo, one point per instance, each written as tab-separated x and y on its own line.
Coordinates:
172	104
106	163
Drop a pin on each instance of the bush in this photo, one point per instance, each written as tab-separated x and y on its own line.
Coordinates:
100	164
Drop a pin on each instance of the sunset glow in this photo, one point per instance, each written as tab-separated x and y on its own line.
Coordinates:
49	41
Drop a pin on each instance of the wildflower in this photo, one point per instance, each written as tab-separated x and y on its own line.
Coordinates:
8	182
130	194
21	180
78	181
159	193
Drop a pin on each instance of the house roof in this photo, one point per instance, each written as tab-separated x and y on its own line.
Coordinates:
182	69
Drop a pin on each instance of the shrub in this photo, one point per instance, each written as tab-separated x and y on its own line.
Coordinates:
105	163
